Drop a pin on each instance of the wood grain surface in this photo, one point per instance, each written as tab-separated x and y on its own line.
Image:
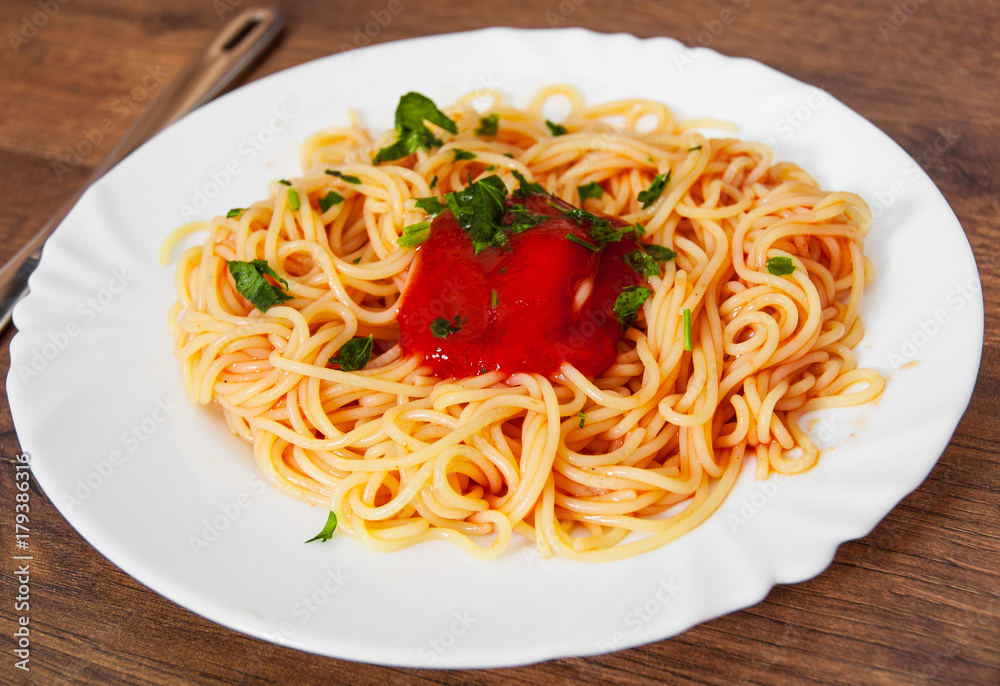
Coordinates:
916	601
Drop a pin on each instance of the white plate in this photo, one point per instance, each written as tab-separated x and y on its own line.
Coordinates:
97	398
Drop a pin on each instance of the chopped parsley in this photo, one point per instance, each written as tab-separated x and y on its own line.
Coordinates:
503	270
577	214
603	232
600	229
640	230
293	200
434	182
556	129
488	125
251	284
645	260
412	133
642	262
442	328
697	147
526	187
628	304
590	190
414	234
354	354
479	209
343	177
494	298
583	418
780	266
235	212
652	194
329	200
284	182
581	216
431	206
463	154
687	331
579	241
327	533
658	252
522	220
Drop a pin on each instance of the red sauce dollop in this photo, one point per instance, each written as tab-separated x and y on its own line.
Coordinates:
540	318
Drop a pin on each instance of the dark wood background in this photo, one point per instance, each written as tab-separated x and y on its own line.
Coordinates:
916	601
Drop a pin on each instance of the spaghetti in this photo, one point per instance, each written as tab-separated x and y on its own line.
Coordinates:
746	329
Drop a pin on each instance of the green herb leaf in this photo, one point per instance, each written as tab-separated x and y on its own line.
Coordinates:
442	328
434	182
488	125
463	154
556	129
284	182
327	533
343	177
406	144
235	212
582	216
605	233
658	252
642	262
652	194
522	220
640	230
628	304
583	418
599	228
293	200
609	234
526	187
590	190
431	206
479	209
697	147
414	234
354	354
687	331
579	241
411	131
494	298
645	260
329	200
780	266
251	284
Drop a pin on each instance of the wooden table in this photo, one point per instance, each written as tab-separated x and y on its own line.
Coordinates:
916	601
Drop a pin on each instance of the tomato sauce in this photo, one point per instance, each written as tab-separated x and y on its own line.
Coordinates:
541	301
